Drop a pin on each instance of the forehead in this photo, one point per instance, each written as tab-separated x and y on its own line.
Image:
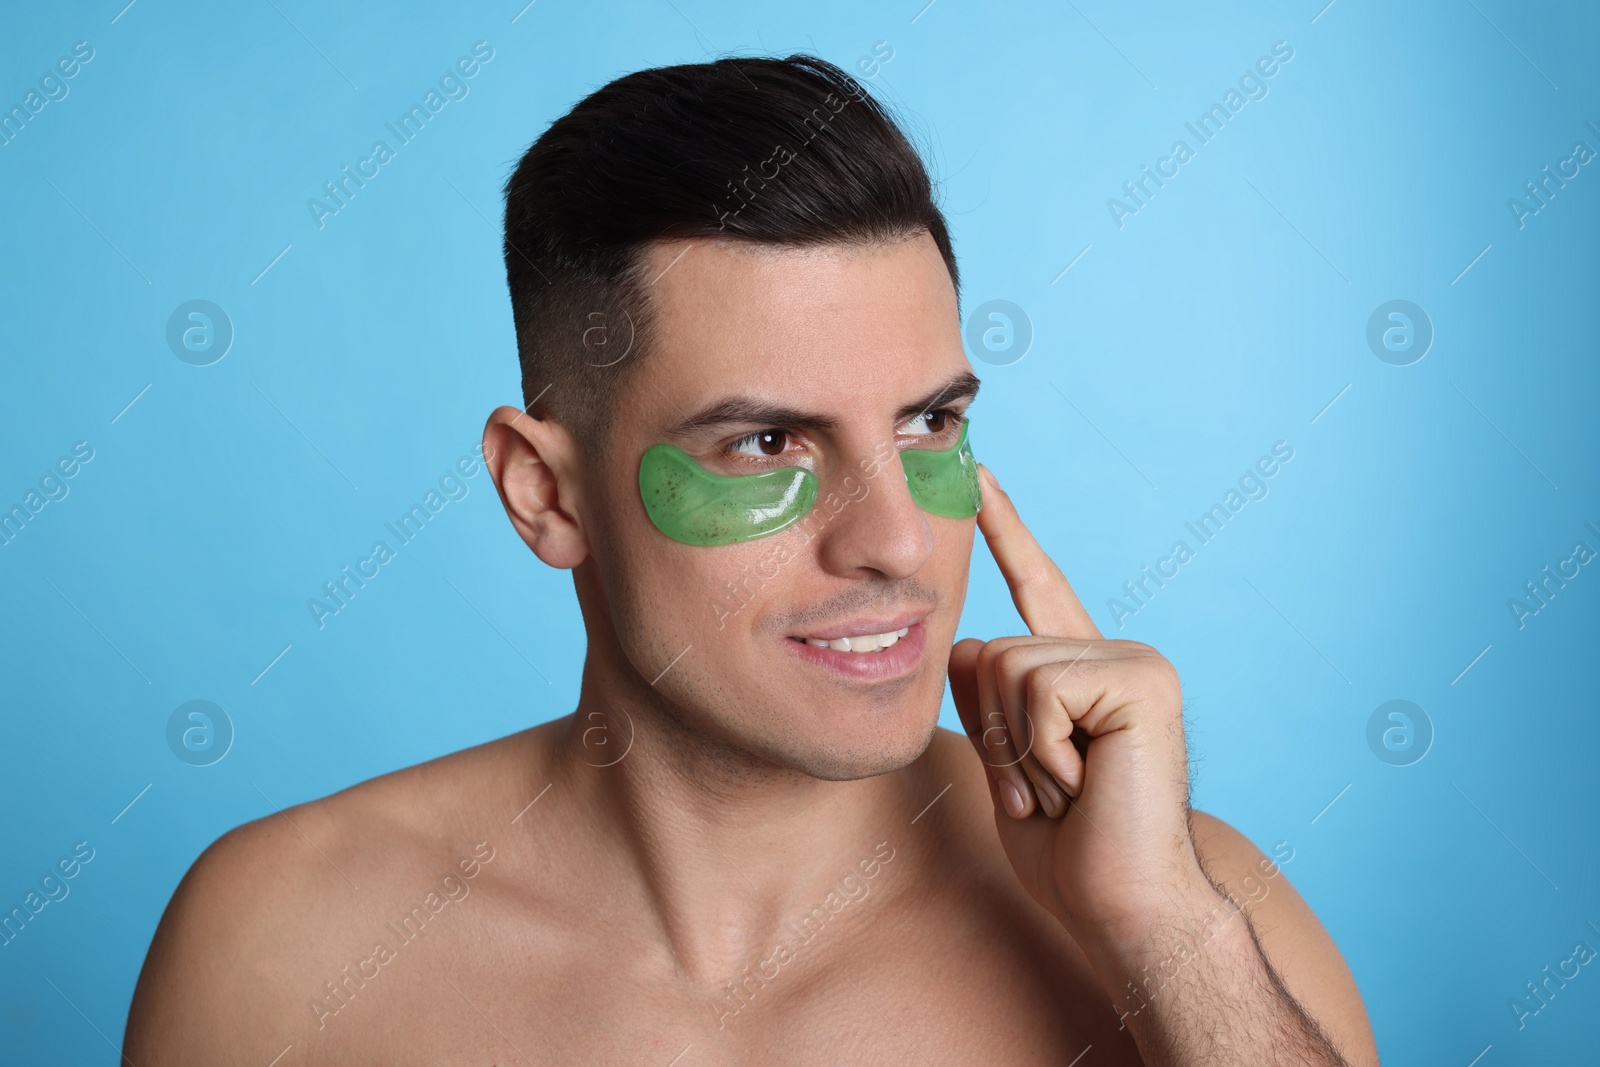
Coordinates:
822	326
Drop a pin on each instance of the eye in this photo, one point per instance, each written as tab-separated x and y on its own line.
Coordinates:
763	444
938	423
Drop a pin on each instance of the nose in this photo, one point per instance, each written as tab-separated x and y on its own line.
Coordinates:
867	520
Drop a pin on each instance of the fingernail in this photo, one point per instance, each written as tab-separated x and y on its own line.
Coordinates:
1051	799
1011	798
987	473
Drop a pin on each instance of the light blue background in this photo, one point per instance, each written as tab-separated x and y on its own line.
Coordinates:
1223	317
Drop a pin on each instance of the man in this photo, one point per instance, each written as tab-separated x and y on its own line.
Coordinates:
746	435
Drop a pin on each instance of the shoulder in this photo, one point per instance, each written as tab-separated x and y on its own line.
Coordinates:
208	991
1292	938
266	908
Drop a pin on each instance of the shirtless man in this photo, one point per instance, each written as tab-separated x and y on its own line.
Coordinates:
746	845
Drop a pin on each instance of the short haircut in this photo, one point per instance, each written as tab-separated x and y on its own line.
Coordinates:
782	152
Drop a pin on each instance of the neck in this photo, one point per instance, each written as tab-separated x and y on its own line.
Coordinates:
728	855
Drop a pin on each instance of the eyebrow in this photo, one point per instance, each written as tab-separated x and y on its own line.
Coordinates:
742	410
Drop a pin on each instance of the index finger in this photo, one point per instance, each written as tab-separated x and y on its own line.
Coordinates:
1043	596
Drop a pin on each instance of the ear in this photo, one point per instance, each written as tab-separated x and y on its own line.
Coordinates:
532	462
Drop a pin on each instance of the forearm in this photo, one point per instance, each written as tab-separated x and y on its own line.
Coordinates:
1195	990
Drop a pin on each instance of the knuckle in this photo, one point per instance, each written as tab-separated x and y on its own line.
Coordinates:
1026	577
1041	684
1161	677
992	651
1008	659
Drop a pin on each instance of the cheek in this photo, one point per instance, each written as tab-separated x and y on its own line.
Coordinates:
951	569
952	559
740	586
668	593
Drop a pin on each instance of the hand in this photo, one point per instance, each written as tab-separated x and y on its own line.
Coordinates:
1087	729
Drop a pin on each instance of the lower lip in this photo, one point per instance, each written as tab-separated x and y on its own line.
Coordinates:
892	662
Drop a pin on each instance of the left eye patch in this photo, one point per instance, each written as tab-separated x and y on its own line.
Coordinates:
693	506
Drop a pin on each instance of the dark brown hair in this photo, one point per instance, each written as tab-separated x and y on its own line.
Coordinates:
785	152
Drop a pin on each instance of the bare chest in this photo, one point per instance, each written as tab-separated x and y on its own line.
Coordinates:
982	983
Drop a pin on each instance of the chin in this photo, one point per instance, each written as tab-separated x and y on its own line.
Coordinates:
841	758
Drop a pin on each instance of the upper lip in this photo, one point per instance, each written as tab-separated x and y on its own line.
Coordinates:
863	625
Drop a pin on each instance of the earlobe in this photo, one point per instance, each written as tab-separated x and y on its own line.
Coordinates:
527	458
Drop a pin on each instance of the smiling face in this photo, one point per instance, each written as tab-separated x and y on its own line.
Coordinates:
831	358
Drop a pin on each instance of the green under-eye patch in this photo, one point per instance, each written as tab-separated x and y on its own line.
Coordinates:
696	507
690	504
945	483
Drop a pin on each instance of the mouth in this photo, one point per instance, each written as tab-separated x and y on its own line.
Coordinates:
870	650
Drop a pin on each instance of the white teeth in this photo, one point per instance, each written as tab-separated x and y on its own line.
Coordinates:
864	643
